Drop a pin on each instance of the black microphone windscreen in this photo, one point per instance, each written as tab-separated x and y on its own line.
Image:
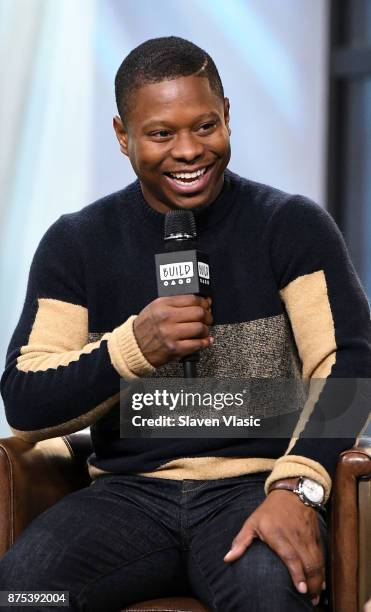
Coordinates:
180	225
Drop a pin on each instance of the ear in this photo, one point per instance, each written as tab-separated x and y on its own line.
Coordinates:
226	114
121	134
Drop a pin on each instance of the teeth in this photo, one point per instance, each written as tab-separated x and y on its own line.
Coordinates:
188	175
189	183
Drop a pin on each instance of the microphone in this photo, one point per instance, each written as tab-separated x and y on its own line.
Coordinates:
182	269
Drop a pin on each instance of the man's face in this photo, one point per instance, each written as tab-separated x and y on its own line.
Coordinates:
178	127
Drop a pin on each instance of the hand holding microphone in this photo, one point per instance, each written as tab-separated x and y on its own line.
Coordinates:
171	328
175	326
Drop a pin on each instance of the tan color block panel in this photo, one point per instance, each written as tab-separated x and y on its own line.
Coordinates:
59	336
208	468
307	304
125	354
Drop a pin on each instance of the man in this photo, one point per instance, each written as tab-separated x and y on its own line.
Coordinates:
220	518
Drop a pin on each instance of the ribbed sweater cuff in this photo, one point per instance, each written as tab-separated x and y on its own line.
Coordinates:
290	466
126	356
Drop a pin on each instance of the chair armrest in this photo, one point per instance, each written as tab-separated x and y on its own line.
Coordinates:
33	477
353	464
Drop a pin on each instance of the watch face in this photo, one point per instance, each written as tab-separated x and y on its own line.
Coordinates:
312	490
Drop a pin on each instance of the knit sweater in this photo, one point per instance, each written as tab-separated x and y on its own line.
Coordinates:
286	303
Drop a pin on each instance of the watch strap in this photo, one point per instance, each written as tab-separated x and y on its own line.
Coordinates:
285	484
292	484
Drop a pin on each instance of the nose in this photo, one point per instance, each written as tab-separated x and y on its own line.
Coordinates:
187	147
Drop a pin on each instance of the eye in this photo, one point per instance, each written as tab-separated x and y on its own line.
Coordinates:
161	134
205	127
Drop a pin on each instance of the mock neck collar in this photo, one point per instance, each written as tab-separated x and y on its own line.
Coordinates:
204	220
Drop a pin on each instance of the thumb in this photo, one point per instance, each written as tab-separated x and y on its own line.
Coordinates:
240	543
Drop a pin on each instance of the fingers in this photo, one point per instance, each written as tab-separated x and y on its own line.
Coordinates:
315	574
313	559
171	328
284	549
307	574
307	571
237	550
241	542
192	313
189	331
306	564
292	531
188	300
185	309
187	347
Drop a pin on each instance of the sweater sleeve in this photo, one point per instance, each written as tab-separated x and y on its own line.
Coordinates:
55	382
330	318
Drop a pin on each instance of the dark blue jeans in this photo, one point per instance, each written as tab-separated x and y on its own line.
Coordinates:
126	539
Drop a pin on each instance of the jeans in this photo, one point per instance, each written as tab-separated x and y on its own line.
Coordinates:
127	538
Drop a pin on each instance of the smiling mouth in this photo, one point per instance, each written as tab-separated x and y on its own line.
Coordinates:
188	178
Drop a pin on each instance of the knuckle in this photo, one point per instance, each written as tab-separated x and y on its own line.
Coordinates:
171	347
159	303
290	556
266	527
201	329
162	332
200	313
162	314
312	570
272	532
204	343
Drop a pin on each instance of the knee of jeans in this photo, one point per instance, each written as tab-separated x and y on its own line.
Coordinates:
19	571
260	570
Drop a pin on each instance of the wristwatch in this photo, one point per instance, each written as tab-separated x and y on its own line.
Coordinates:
310	492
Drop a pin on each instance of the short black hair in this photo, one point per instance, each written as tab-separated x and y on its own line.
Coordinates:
162	59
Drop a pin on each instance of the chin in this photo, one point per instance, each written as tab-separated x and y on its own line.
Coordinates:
195	208
195	203
199	208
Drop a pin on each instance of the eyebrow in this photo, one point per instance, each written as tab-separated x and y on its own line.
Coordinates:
160	122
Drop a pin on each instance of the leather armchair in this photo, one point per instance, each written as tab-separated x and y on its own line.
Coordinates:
35	476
